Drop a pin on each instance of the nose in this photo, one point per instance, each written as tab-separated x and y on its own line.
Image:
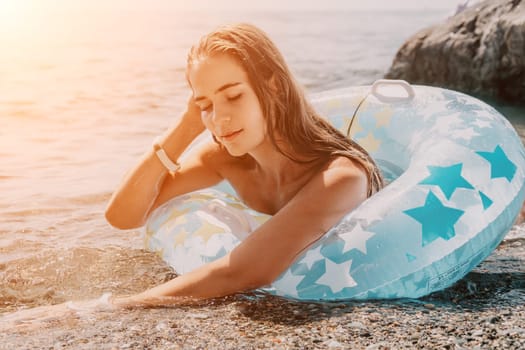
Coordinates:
220	116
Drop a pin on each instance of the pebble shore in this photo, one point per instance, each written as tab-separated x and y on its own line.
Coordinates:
485	310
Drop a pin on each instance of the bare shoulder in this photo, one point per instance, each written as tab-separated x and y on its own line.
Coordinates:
343	162
341	184
343	169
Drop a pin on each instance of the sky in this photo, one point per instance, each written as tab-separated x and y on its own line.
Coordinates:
227	5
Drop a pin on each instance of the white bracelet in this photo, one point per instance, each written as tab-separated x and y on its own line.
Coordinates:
172	166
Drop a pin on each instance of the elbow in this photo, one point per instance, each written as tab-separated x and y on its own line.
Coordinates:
228	280
233	273
253	278
268	279
120	220
256	282
264	278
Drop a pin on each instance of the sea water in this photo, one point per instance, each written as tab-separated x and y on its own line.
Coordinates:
82	96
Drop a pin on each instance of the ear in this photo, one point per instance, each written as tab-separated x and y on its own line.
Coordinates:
272	83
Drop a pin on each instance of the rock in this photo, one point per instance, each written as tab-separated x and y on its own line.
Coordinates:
334	344
358	325
477	333
479	51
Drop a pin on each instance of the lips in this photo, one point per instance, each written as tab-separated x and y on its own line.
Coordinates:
231	135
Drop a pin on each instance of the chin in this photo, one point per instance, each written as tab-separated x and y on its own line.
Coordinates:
235	152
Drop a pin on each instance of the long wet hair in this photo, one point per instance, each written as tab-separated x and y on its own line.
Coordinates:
289	115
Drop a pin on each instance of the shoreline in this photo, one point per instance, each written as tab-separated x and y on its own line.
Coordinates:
247	325
485	309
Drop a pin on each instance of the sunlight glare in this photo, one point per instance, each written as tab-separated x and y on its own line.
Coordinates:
13	11
16	17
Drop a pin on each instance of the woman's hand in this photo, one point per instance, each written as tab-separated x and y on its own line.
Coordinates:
36	318
51	315
190	121
193	113
147	185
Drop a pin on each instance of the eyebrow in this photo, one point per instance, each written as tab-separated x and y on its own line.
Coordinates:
222	88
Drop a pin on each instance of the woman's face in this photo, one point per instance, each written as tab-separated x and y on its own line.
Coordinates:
230	108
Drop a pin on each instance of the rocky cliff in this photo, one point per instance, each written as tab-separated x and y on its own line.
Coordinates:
480	51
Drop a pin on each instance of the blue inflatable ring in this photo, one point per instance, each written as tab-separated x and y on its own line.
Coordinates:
455	169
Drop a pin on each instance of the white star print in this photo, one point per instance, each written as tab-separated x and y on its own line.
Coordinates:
337	276
312	256
356	239
287	284
448	122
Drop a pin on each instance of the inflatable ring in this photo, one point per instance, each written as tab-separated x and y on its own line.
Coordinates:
455	172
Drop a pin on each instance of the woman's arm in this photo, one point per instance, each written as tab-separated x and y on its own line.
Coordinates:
273	247
149	184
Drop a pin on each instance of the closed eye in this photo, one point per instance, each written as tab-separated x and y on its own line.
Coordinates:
233	98
207	108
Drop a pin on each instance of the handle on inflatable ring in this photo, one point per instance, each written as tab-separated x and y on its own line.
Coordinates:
388	99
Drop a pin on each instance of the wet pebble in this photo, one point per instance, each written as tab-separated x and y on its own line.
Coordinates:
429	306
334	344
477	333
358	325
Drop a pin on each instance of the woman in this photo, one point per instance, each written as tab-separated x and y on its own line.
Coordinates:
266	136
